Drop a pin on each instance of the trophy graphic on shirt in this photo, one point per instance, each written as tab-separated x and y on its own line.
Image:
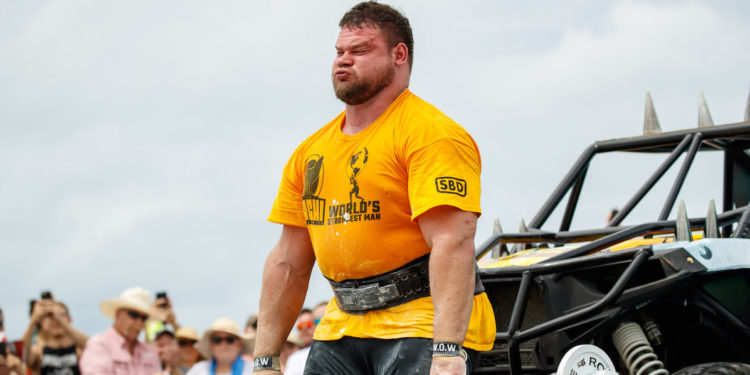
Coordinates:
315	207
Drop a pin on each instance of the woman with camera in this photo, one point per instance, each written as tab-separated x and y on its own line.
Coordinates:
58	344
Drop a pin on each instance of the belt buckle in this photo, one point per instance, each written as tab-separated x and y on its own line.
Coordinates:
366	297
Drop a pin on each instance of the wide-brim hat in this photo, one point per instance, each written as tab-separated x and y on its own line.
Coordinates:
224	325
137	299
188	333
294	339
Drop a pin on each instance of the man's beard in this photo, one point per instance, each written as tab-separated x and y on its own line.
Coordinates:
358	92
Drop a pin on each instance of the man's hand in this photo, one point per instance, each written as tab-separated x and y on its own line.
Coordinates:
14	364
448	366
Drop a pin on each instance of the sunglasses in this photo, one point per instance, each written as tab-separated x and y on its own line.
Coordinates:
307	323
136	315
183	343
216	340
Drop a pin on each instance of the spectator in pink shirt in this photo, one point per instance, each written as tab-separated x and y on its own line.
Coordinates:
117	350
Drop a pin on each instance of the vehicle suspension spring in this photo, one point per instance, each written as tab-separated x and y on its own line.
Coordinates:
636	351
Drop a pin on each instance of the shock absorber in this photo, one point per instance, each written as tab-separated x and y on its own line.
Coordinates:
635	350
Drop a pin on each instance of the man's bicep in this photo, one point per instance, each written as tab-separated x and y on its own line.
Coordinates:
295	246
448	225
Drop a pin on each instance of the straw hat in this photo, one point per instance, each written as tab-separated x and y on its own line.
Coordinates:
294	339
187	333
137	299
224	325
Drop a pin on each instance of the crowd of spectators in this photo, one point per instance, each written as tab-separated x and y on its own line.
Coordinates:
144	338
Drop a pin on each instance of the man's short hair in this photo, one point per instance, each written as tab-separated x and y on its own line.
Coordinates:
393	23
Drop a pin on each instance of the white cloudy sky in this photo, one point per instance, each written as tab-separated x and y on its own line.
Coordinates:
141	142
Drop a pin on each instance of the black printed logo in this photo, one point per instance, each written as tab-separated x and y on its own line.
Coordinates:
358	208
451	185
356	165
315	207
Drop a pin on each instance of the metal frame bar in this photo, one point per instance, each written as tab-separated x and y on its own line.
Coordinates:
519	310
651	182
743	226
653	143
570	209
728	187
680	179
559	192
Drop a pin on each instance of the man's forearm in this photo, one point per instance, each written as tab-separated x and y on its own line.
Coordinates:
285	279
452	289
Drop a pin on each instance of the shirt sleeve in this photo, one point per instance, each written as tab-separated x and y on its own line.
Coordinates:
443	166
287	207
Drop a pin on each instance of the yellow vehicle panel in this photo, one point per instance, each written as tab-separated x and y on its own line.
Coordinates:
536	255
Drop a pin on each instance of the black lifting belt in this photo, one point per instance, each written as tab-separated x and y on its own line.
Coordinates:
404	284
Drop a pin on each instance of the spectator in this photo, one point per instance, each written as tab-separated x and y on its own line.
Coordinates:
163	305
9	363
296	362
189	355
251	325
169	352
59	345
2	329
223	344
306	327
118	347
612	213
291	346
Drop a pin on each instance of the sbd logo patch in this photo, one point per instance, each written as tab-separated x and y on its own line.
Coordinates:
451	185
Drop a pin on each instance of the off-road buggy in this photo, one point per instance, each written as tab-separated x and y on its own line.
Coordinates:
659	297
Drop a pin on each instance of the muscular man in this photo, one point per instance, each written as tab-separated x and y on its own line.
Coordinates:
400	257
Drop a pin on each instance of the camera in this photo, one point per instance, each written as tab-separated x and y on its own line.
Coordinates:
162	295
46	294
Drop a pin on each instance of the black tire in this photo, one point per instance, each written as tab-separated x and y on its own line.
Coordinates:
716	368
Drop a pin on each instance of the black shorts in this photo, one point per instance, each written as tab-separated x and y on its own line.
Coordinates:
355	356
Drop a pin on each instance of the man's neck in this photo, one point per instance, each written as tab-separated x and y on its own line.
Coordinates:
360	116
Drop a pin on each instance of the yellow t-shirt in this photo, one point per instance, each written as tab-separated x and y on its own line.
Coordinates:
359	197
